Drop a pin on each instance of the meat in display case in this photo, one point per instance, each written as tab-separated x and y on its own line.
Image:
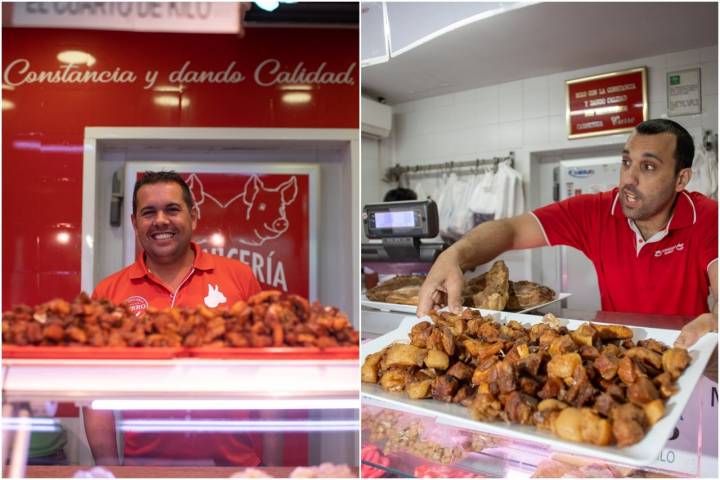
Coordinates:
263	388
526	389
401	444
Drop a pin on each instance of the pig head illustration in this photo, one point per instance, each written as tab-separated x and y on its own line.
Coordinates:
252	217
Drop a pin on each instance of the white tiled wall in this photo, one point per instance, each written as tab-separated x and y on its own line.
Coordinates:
527	116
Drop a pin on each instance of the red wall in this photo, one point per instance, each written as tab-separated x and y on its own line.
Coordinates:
43	131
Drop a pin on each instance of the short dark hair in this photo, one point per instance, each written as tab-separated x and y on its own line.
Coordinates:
684	145
400	194
151	178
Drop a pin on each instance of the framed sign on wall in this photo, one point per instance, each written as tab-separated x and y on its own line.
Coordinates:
606	104
684	95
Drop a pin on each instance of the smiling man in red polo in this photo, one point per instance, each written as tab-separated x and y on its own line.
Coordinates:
171	271
653	244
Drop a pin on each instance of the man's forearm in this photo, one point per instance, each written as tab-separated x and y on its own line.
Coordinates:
482	244
100	432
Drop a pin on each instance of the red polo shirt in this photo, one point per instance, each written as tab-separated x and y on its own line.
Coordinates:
666	274
213	281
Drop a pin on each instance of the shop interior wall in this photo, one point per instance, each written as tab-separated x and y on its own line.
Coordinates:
528	118
43	127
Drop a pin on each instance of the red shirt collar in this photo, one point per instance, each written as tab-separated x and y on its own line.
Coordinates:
683	215
203	261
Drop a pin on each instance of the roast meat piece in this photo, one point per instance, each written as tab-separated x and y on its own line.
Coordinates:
524	294
444	388
497	289
675	361
642	391
380	292
520	407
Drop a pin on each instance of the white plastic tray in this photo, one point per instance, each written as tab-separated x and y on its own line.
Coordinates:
397	307
640	454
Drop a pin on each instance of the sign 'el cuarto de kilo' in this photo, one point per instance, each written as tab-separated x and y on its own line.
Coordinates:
606	104
194	17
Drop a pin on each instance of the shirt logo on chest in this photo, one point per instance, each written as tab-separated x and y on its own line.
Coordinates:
137	305
214	297
667	251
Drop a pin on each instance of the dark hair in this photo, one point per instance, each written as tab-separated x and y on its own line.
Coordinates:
151	178
399	194
684	145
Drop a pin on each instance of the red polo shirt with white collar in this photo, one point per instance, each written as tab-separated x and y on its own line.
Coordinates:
216	282
213	281
666	274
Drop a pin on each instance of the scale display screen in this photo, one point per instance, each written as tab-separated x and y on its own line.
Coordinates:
411	219
395	219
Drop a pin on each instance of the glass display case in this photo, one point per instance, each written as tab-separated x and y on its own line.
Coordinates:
399	444
177	415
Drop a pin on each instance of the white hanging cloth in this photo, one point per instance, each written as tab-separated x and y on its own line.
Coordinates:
704	173
420	191
444	196
482	199
461	218
509	192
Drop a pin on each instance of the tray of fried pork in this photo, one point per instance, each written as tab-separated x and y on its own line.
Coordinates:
492	290
270	325
605	391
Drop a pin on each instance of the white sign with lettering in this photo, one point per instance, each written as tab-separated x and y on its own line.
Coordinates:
194	17
268	73
684	93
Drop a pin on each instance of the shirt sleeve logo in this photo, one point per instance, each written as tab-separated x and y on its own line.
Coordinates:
214	297
137	305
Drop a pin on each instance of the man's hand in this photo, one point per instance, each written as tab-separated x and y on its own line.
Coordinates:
445	280
690	333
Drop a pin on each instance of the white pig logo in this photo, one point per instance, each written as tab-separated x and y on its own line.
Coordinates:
251	217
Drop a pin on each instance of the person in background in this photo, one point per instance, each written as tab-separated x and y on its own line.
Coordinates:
171	271
399	194
653	244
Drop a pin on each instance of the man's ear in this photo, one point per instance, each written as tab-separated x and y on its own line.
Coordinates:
194	211
683	178
134	222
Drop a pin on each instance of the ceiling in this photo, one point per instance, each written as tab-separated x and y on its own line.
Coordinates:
541	39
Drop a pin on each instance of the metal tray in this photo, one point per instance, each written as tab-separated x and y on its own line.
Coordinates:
398	307
640	454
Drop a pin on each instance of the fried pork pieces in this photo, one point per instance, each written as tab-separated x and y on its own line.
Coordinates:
591	385
268	319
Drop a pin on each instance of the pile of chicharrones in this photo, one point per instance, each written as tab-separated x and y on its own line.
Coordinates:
268	319
593	384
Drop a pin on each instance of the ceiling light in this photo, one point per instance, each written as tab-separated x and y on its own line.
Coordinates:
295	87
171	101
168	88
76	57
296	97
270	5
217	239
63	238
267	5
